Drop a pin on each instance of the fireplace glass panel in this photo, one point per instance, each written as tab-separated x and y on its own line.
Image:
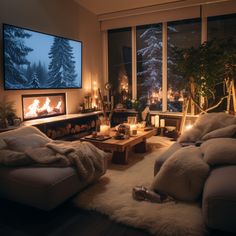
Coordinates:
43	105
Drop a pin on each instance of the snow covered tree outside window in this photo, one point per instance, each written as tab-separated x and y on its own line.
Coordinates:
120	64
149	65
62	66
181	34
15	56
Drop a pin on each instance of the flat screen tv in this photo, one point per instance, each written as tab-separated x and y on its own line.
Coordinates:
34	60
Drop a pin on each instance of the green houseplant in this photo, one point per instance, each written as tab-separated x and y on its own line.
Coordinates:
7	111
205	68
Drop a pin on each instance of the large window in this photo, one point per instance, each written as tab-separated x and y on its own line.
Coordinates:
181	34
221	27
120	64
149	65
151	57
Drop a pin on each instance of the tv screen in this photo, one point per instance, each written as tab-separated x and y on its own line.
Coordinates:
34	60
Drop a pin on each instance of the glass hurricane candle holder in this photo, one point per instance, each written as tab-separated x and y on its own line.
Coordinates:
105	128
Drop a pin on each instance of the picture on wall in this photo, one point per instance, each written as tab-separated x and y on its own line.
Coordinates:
34	60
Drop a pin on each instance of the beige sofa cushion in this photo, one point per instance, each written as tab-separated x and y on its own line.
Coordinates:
219	151
21	144
182	176
225	132
219	199
205	124
19	132
12	158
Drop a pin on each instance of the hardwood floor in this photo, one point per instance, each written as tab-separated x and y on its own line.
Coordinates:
66	220
18	220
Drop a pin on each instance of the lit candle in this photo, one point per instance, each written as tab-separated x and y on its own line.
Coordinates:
153	120
104	129
156	121
133	129
162	123
188	125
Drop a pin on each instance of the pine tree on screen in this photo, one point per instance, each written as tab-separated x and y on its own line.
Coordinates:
35	81
41	71
62	66
29	73
15	56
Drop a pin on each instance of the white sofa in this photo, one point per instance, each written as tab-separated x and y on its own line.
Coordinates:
215	134
40	187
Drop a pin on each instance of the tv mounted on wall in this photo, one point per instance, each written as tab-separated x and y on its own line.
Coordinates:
35	60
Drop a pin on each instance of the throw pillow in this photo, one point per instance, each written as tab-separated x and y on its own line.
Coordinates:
191	135
205	124
219	151
12	158
183	175
225	132
22	143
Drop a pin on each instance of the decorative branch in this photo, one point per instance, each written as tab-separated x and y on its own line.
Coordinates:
229	90
185	111
196	103
215	106
103	105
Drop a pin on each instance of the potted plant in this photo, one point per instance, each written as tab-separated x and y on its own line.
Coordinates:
205	68
7	111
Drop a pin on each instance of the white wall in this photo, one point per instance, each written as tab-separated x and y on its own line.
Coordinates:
60	17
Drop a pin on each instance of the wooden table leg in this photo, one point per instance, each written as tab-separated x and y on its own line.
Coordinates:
120	157
140	147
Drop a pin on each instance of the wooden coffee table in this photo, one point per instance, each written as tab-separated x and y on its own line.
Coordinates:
120	148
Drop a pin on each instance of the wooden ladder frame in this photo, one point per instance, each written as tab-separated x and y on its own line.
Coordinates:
231	93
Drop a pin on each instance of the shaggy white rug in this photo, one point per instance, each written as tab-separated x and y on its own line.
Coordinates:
112	196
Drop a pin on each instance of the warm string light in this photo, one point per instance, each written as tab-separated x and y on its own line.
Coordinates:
156	96
124	85
95	102
188	125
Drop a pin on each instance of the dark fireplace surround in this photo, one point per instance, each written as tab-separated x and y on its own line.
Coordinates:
36	106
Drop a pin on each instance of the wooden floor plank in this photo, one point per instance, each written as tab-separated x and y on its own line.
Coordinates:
19	220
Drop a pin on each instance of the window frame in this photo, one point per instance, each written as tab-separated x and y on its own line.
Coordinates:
204	22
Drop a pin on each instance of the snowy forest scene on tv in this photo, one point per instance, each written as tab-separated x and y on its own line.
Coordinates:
34	60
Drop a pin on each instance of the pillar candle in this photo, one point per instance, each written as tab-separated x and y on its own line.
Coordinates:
104	129
153	120
156	121
133	129
162	123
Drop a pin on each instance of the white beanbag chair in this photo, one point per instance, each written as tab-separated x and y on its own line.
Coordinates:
183	175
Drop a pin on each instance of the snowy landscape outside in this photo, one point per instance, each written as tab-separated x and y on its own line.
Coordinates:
149	47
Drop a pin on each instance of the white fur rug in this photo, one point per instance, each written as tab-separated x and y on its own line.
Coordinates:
112	196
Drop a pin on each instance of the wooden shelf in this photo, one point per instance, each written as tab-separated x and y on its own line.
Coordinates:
175	114
60	118
68	127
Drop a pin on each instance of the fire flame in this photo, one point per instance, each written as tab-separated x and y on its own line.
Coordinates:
35	110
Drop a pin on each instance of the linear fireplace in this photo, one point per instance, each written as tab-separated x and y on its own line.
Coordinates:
38	106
